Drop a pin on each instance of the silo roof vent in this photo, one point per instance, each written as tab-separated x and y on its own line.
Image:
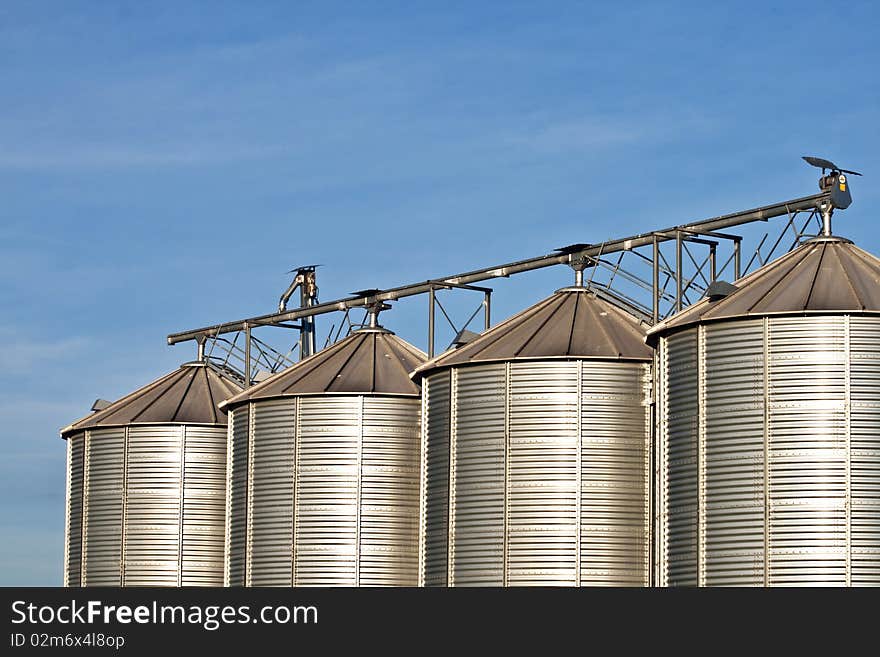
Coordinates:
719	290
188	395
463	337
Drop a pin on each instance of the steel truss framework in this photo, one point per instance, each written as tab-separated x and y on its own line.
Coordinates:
652	274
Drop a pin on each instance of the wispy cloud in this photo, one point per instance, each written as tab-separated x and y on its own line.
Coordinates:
22	354
86	157
200	106
584	133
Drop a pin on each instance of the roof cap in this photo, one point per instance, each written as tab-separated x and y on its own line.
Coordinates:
571	323
369	361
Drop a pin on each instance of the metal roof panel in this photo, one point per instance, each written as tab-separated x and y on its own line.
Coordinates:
825	274
369	361
188	395
572	323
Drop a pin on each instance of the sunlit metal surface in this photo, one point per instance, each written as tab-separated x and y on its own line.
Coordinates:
536	473
150	509
770	447
73	525
324	470
146	485
331	492
103	511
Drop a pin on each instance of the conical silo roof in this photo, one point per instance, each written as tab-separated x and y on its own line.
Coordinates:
369	361
825	275
188	395
571	323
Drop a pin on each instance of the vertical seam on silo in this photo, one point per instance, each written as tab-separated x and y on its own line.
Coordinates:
666	466
295	506
82	502
579	473
662	483
701	455
657	483
423	482
505	538
85	524
124	534
181	498
249	495
360	475
66	573
848	419
450	486
649	388
230	452
766	491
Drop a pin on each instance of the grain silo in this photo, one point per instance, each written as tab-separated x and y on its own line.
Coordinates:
324	469
146	485
535	451
769	426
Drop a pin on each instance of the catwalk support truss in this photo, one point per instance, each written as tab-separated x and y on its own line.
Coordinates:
653	275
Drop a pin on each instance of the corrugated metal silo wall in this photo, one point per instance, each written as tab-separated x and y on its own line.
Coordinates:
238	459
73	525
434	532
769	438
325	492
145	506
536	473
103	507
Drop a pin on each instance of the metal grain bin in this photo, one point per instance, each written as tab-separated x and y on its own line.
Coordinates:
324	470
535	451
146	485
769	426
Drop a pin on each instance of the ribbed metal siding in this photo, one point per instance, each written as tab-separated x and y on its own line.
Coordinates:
477	491
270	519
73	528
549	484
734	454
679	433
544	478
615	476
797	399
357	487
204	506
865	451
331	492
152	508
237	496
808	436
103	507
389	493
435	478
327	512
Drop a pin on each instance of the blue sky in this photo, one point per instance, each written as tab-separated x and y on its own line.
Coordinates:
162	165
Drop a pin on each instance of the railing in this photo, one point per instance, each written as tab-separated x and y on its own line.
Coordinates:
653	274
